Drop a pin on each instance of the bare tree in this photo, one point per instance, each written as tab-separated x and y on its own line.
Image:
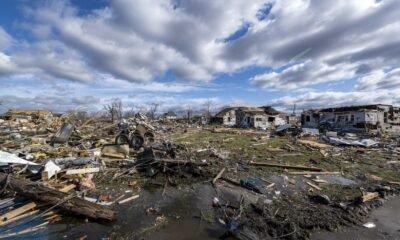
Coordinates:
130	112
114	109
153	109
208	105
189	112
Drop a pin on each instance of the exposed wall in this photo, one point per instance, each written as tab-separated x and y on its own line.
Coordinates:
229	119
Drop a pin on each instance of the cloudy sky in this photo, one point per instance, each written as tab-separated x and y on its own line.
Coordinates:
75	54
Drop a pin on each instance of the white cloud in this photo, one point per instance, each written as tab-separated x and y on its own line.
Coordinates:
5	39
379	80
130	45
141	40
334	99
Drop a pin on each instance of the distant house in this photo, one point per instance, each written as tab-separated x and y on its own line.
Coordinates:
170	115
377	117
251	117
26	114
226	116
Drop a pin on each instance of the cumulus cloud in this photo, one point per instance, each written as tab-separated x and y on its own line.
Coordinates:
48	102
188	38
335	99
379	80
5	39
133	44
301	75
346	37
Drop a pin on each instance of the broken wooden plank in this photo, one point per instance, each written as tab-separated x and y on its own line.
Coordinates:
50	196
313	144
128	199
67	188
300	167
218	175
178	161
271	185
313	173
271	149
3	223
114	155
314	186
394	183
82	171
369	196
319	180
17	211
29	230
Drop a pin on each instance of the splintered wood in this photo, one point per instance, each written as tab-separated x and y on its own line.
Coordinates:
64	201
369	196
299	167
313	144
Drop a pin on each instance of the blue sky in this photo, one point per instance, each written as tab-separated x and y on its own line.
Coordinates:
63	55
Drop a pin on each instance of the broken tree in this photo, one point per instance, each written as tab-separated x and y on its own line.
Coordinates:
54	197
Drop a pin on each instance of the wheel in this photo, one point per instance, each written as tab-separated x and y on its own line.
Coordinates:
137	141
121	139
148	138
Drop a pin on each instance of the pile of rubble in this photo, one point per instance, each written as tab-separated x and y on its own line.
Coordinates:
48	167
55	167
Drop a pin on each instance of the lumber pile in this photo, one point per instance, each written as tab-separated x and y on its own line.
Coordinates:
38	192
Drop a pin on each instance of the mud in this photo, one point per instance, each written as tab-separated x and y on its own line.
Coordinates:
386	218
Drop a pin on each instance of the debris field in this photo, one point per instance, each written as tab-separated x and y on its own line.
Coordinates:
145	179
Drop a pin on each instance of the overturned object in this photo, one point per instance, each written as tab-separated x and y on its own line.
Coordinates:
63	135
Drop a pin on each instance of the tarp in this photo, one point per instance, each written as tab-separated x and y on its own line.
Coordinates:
363	142
9	158
312	131
283	127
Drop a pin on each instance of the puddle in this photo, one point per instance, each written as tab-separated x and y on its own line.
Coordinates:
186	212
181	209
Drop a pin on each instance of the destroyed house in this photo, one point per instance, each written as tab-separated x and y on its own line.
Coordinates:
377	117
26	114
251	117
170	115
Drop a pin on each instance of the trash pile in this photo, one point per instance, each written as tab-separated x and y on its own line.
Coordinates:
281	184
48	167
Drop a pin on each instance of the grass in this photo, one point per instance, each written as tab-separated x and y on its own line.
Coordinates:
338	193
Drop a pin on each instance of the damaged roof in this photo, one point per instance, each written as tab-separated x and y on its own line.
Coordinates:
350	108
251	110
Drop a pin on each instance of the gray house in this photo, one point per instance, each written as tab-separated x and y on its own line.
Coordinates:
251	117
377	117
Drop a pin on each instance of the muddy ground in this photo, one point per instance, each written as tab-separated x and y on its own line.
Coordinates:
176	202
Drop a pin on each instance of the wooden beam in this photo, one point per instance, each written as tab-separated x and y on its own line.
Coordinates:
13	213
300	167
314	186
314	173
82	171
3	223
218	175
67	188
128	199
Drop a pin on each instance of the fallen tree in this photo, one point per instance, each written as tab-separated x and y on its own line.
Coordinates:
38	192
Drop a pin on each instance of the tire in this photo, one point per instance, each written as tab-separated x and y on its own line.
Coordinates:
136	141
148	138
121	139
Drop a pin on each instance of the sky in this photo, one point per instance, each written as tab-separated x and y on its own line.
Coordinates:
65	55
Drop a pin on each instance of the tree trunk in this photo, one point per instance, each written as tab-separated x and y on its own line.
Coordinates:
51	196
